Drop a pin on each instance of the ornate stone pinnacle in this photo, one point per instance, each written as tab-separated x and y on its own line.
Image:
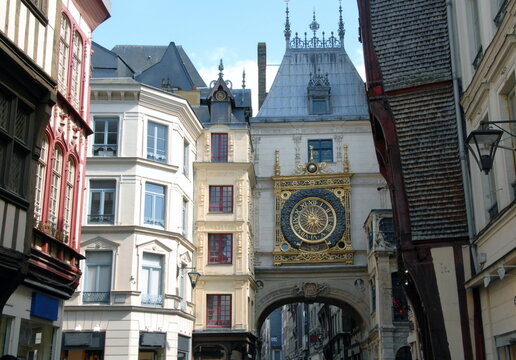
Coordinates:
277	168
341	25
221	67
287	31
345	163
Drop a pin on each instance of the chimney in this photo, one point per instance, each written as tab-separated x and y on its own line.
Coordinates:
262	67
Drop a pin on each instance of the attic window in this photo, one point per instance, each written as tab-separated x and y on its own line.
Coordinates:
319	94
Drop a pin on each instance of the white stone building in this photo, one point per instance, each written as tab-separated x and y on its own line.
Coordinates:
485	54
135	299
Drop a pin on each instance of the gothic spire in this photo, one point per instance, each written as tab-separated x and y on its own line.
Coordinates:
221	67
341	25
287	31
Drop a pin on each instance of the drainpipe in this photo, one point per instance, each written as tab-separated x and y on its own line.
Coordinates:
464	164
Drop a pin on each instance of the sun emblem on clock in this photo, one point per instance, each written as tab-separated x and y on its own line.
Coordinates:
313	217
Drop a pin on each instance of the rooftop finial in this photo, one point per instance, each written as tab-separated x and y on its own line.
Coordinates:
314	25
341	25
221	67
243	79
287	26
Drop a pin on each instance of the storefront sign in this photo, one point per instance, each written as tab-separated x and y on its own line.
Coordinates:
44	306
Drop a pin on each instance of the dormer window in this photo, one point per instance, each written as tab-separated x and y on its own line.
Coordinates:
319	94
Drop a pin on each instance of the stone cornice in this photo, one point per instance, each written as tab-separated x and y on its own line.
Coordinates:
129	308
117	229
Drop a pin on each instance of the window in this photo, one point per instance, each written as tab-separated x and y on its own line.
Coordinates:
102	201
219	311
219	147
69	67
76	70
474	33
319	106
221	199
64	54
34	339
186	158
399	301
105	139
152	273
157	142
510	142
15	143
97	284
55	187
6	324
154	205
373	294
387	230
220	248
321	150
185	217
70	185
41	179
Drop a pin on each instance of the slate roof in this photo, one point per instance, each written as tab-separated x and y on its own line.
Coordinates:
288	98
427	138
107	64
153	64
410	39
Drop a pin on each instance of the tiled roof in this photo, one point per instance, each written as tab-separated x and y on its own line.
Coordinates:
427	135
411	41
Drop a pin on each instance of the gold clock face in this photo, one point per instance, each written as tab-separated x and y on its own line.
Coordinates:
313	220
220	95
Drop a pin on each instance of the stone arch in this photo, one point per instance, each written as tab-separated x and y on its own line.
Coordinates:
313	292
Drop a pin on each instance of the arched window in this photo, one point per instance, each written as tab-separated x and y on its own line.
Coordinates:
40	180
76	71
64	53
70	182
55	187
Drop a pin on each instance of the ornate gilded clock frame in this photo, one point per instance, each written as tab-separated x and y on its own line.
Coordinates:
313	189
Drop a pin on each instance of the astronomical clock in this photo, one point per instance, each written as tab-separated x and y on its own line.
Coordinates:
313	215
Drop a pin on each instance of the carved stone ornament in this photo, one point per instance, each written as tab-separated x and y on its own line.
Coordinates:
310	289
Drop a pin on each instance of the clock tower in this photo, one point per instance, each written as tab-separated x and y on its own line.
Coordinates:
313	214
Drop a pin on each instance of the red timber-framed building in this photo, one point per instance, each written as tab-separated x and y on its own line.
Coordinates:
413	111
55	182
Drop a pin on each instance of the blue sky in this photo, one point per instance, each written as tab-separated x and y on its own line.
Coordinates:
228	29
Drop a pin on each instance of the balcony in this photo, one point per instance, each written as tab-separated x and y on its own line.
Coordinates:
152	300
96	297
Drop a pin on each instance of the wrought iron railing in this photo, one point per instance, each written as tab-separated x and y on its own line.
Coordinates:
155	222
493	211
501	13
152	300
105	149
96	297
101	219
478	58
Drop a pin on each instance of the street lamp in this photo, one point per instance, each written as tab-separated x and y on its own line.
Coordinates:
483	144
194	277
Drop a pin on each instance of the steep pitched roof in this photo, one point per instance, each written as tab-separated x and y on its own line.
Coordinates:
288	95
107	64
154	64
